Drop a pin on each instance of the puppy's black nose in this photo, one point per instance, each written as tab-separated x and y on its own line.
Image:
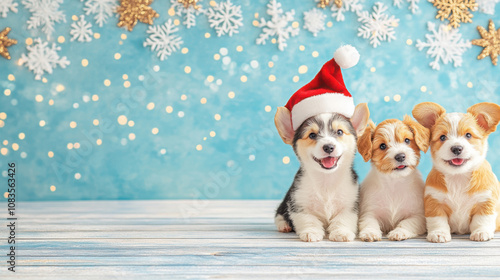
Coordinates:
457	150
328	148
400	157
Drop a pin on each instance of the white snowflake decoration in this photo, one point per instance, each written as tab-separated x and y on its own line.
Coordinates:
413	5
189	13
225	17
277	26
377	26
41	58
6	5
44	12
347	5
81	31
487	6
163	39
314	21
102	10
444	44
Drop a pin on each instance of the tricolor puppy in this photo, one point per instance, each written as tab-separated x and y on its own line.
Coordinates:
391	198
324	193
461	191
322	124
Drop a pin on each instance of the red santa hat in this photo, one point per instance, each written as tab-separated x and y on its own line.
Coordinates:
326	93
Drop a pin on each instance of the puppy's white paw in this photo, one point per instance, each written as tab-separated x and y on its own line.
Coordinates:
439	236
281	224
340	235
312	236
370	235
399	234
481	236
284	227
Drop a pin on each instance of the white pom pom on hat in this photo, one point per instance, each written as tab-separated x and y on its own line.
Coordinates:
346	56
326	93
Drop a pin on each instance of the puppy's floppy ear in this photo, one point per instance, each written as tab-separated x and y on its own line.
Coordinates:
360	118
487	115
283	122
422	134
365	142
427	113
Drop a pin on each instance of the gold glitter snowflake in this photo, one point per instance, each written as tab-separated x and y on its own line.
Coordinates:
132	11
323	3
6	42
456	11
490	42
188	3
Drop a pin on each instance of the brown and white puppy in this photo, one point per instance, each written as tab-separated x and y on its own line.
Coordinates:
461	191
391	199
324	195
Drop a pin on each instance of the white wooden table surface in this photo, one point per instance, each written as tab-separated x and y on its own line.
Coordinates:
172	239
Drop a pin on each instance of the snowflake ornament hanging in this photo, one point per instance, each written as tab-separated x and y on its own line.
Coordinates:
6	42
314	21
445	44
44	12
189	14
163	39
377	26
487	6
338	12
413	7
277	26
42	58
101	9
81	30
132	11
6	5
456	11
490	42
225	18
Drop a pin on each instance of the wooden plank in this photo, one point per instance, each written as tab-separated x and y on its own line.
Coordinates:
219	226
148	209
104	220
281	258
268	243
141	227
76	250
171	234
305	272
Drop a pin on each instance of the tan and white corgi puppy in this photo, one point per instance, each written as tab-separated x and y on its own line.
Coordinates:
391	198
323	198
461	191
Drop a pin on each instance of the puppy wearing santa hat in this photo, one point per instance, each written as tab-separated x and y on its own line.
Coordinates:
321	123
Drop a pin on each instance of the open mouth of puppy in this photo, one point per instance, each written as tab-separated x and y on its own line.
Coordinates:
457	161
327	162
400	167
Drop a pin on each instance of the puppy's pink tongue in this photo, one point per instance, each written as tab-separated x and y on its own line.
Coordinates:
457	161
328	162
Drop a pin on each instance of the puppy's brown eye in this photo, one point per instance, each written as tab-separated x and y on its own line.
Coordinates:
340	132
443	138
383	146
407	141
313	135
468	135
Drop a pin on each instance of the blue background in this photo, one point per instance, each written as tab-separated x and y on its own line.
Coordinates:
245	158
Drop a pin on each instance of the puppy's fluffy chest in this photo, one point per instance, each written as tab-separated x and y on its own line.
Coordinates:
459	200
325	195
392	199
